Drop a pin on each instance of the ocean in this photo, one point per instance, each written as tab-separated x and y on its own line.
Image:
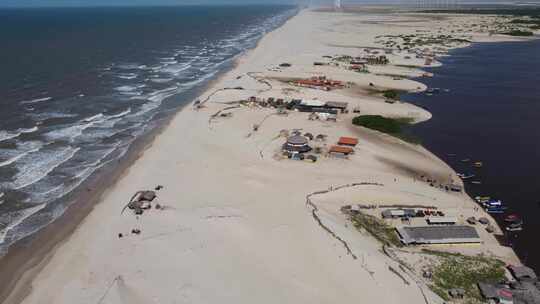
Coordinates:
79	85
488	110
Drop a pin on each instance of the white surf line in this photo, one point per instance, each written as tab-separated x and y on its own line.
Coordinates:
16	158
35	100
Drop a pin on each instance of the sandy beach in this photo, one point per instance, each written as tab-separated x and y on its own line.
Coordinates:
237	223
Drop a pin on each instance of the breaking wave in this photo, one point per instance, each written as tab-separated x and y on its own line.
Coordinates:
6	135
35	100
73	137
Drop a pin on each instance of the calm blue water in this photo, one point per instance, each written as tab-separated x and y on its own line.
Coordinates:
77	86
492	114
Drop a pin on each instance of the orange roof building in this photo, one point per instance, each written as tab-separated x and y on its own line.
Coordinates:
348	141
341	150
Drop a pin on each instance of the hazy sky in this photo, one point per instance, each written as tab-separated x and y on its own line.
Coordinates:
41	3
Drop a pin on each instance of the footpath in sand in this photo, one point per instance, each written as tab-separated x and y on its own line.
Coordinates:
235	226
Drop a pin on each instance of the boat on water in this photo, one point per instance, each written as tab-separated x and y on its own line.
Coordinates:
514	223
494	206
465	175
511	218
492	203
478	164
482	199
514	227
466	160
476	182
498	209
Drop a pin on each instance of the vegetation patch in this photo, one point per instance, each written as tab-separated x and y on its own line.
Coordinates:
380	230
522	12
391	94
391	126
453	270
518	33
525	21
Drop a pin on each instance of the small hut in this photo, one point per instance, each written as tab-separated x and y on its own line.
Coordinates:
320	137
296	144
341	150
348	141
456	293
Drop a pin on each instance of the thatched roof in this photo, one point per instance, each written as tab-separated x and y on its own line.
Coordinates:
297	140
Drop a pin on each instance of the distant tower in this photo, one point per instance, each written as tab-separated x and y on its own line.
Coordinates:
337	4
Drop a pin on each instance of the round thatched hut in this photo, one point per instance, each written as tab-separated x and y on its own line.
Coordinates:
296	144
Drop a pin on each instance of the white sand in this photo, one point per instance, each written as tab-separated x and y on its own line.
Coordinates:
236	228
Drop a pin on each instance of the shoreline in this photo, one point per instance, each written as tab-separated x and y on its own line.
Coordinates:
27	257
78	218
487	179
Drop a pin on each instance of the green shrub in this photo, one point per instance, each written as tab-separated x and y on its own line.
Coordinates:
380	230
380	123
524	21
391	94
518	33
455	270
391	126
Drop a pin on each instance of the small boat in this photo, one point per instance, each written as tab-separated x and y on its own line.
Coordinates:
465	175
482	199
513	227
492	203
476	182
466	160
499	209
478	164
512	218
